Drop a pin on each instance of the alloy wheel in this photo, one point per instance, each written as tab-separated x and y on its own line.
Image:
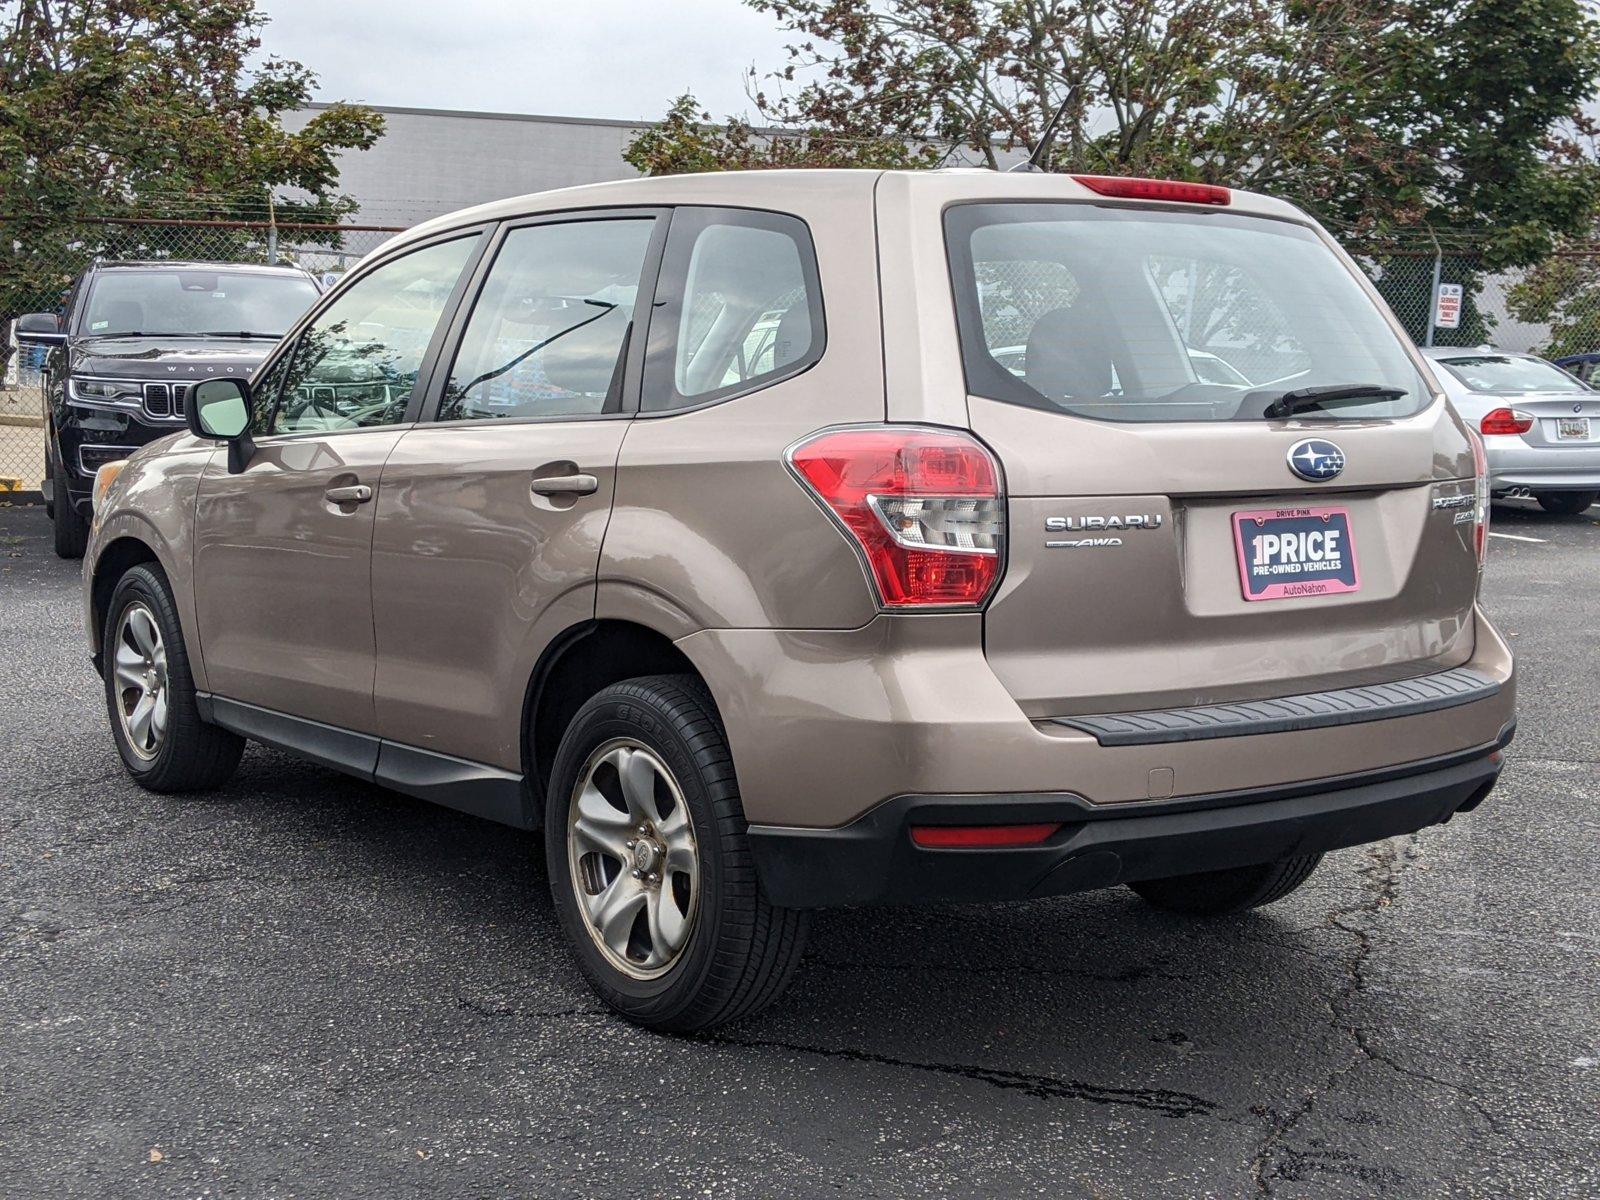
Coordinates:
633	858
139	664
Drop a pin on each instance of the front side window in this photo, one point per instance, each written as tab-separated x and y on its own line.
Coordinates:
1511	374
356	365
194	302
743	307
1142	314
548	335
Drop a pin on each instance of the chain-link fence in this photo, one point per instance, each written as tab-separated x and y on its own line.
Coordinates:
1438	288
35	276
1449	298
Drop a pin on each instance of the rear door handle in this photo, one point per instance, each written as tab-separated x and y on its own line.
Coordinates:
355	493
564	485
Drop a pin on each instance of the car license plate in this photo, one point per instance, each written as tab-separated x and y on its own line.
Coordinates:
1286	552
1572	429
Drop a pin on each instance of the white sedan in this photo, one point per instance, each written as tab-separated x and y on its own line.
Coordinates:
1540	425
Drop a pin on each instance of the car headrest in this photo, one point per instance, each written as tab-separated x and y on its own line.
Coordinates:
1068	355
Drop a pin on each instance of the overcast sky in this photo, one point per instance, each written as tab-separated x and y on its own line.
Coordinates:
625	59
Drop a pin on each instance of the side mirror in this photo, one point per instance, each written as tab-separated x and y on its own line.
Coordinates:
220	409
40	329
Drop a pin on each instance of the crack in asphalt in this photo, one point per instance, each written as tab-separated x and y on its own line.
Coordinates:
1166	1102
1380	875
1042	1087
1380	881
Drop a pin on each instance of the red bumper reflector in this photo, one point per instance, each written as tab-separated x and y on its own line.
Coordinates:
948	837
1126	187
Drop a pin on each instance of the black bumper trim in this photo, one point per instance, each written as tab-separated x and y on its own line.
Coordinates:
873	860
1284	714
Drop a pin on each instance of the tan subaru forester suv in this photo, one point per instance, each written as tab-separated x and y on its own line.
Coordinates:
782	540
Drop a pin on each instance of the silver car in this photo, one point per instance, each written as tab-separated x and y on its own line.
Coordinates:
1540	425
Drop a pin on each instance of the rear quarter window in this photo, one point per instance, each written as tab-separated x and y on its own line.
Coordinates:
739	307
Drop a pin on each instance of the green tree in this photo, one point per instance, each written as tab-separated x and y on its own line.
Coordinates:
686	140
1379	115
145	108
1563	292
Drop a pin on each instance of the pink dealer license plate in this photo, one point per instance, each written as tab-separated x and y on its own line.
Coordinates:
1286	552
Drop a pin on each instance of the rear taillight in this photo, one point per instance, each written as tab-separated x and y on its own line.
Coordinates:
974	837
924	505
1126	188
1480	497
1505	421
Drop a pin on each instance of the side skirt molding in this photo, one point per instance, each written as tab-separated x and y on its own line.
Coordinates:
469	787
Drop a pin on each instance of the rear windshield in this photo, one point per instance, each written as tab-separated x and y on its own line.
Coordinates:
1509	374
1139	314
177	301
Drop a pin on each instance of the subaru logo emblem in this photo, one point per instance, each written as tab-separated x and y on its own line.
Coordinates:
1316	459
1577	408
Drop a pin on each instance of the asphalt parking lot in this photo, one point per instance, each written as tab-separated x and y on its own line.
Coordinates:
303	986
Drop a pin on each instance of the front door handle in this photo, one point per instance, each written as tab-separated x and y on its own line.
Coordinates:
355	493
566	485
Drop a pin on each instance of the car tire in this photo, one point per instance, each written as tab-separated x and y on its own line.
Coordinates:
166	747
1566	504
1218	893
700	946
71	530
48	487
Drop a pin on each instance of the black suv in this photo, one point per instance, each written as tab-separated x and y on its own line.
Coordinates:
133	339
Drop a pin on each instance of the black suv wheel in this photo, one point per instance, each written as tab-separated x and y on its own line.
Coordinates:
71	530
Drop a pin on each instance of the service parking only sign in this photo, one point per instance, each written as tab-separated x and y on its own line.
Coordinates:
1447	306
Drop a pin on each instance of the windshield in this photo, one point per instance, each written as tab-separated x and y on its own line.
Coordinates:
171	301
1509	374
1138	314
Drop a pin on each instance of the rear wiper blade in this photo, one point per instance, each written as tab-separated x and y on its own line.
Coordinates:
1329	395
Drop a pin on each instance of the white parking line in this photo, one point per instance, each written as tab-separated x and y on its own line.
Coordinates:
1517	537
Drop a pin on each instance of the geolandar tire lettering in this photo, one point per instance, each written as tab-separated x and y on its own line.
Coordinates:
650	867
150	696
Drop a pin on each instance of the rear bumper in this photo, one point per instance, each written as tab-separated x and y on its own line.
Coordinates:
1543	468
825	726
873	860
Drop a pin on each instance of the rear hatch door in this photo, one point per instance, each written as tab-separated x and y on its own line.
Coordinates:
1169	544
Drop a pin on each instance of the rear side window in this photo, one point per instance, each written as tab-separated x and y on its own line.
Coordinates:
548	333
1143	314
740	307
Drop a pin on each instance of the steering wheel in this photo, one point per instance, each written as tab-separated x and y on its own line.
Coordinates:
297	408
